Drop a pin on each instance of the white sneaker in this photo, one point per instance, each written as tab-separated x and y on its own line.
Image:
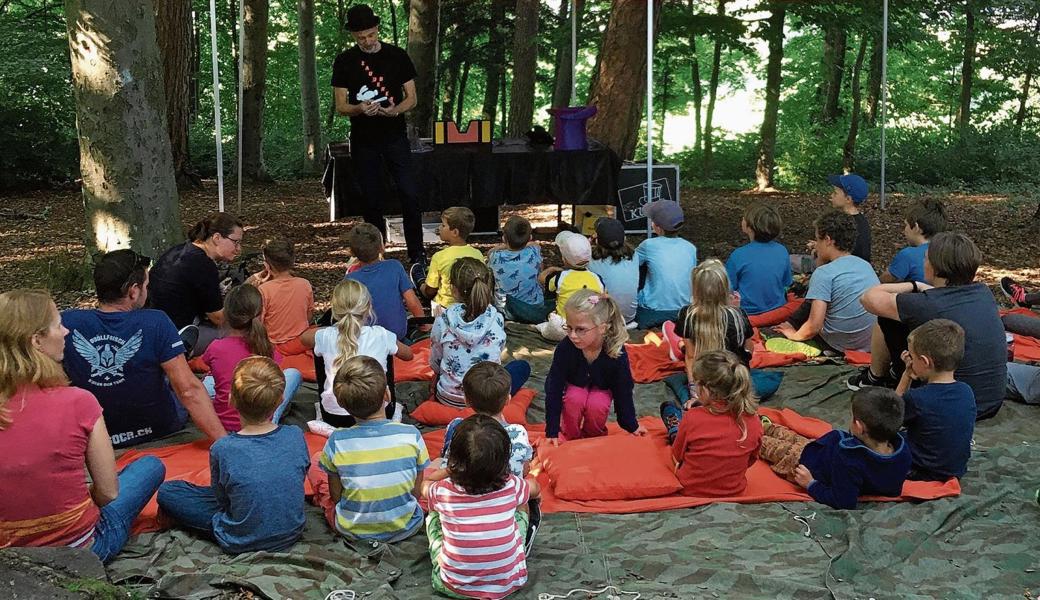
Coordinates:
319	427
398	412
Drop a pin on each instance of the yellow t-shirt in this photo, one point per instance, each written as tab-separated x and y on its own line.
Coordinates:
439	274
565	283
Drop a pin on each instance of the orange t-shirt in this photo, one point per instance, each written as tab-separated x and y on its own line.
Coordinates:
288	304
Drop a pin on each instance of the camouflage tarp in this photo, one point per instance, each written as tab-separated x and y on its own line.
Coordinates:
983	544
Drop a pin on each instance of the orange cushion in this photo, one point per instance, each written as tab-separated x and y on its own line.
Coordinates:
433	412
612	467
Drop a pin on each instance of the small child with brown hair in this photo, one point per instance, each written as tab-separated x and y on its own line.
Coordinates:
255	498
516	265
288	300
373	471
923	219
456	224
760	271
871	458
613	259
391	290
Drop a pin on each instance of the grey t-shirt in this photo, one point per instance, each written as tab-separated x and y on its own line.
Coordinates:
840	283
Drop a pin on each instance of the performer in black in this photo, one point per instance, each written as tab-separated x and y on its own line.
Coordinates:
374	83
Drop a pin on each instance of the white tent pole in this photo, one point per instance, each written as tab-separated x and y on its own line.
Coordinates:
216	104
574	51
649	104
884	92
241	64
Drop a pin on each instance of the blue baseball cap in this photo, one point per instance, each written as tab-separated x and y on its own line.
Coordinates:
852	184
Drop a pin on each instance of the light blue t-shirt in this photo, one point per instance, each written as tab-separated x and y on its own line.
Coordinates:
908	264
516	274
761	272
621	280
840	283
669	261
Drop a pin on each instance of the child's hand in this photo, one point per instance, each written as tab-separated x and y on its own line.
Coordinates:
550	441
785	329
811	246
691	403
802	476
908	362
734	299
640	431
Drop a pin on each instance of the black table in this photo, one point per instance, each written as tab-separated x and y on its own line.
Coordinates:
511	172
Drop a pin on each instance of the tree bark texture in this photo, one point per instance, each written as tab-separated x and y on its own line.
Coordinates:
460	104
496	58
713	89
525	64
309	89
175	35
698	92
254	88
874	83
1023	97
129	190
967	71
564	78
834	45
450	71
766	165
849	150
422	48
620	86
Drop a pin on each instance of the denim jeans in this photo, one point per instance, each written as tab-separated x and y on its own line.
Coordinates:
647	318
368	159
519	372
191	505
293	380
522	312
137	482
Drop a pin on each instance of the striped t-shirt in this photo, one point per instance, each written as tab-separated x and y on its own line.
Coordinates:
483	551
377	462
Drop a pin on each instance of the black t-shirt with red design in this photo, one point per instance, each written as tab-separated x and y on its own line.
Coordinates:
377	77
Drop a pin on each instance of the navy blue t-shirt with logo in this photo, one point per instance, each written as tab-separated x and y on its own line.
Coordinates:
118	357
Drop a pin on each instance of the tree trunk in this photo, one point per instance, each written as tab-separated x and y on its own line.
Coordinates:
173	29
422	48
620	87
1020	115
309	89
764	169
666	85
874	83
525	65
698	92
129	188
967	72
829	91
460	105
713	88
393	22
254	89
503	86
496	58
849	151
450	74
564	76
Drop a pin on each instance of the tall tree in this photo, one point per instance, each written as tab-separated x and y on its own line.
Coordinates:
967	71
1023	97
495	59
765	167
422	48
564	78
695	76
173	29
460	104
309	88
835	39
525	65
849	150
254	88
129	188
713	90
620	85
874	83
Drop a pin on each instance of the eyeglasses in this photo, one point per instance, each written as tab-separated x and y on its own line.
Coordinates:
237	243
578	331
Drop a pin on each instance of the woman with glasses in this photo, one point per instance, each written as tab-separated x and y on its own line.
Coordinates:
185	283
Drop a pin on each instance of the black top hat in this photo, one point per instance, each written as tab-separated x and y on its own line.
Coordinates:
360	17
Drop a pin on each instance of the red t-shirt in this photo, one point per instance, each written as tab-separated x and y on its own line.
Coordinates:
222	356
713	460
44	450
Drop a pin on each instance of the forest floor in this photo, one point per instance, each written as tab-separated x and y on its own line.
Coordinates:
41	233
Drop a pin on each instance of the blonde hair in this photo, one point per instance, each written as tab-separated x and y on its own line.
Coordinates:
243	309
475	284
25	314
729	383
709	307
257	388
601	308
351	309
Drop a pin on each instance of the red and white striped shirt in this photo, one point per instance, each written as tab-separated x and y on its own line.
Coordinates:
483	551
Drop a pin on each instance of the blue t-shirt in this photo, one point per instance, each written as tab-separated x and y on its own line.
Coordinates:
621	280
939	420
386	282
258	482
908	264
669	261
840	283
118	357
761	272
516	274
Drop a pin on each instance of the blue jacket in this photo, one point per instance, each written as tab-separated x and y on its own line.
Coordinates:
843	468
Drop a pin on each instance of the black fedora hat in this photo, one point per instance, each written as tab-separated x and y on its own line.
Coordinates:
360	17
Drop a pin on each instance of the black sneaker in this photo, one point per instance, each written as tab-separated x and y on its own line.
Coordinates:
534	519
190	338
1014	291
417	273
867	379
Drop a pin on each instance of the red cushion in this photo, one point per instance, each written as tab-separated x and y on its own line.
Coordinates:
433	412
612	467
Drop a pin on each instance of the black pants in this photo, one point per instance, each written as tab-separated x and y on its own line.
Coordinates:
895	334
346	421
368	159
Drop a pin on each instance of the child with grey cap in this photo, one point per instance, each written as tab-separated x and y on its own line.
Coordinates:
613	259
668	260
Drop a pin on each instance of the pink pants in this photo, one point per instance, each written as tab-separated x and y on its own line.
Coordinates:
585	412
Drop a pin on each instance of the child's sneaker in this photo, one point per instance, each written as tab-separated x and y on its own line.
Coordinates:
534	519
867	379
675	349
189	337
321	428
767	423
1014	291
671	414
417	273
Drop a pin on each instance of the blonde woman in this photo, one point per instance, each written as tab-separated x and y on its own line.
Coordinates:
48	432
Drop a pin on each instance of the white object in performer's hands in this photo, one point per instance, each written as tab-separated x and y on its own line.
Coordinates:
369	95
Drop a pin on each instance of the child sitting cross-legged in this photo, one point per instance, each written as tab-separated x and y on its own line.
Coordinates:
760	271
516	266
456	224
478	518
288	299
870	458
391	290
924	218
667	260
373	470
613	259
939	416
576	252
717	441
255	498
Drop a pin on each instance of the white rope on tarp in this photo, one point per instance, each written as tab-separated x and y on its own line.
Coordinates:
216	104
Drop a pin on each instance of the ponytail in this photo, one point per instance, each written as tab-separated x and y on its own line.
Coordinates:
243	311
601	308
351	310
219	222
475	285
729	383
